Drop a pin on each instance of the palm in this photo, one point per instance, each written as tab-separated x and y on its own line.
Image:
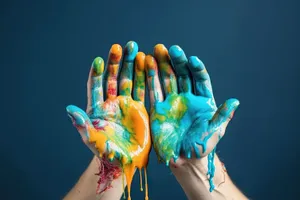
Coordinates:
180	122
113	121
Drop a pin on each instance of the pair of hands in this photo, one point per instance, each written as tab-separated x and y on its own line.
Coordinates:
184	120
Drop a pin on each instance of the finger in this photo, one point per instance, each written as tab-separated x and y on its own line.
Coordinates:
83	124
201	77
111	72
179	62
95	89
139	78
166	72
80	120
223	115
154	87
126	75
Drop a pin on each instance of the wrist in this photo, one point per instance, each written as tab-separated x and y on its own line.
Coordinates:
192	176
88	186
110	179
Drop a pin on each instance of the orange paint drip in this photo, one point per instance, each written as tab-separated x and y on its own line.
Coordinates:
136	121
146	184
141	180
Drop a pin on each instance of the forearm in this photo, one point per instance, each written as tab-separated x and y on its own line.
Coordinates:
194	181
85	188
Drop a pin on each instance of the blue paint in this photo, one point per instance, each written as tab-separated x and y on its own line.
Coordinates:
176	52
130	51
179	61
78	115
96	84
186	121
182	134
211	169
196	63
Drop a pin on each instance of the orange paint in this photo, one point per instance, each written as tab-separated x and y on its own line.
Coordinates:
136	121
115	55
139	80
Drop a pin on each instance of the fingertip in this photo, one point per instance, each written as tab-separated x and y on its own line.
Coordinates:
196	64
161	52
140	61
98	66
233	103
229	107
78	116
71	108
115	53
131	50
175	51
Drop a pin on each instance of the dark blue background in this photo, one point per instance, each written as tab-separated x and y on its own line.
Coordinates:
250	47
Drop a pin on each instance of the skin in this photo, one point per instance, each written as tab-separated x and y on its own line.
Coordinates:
116	127
196	171
185	121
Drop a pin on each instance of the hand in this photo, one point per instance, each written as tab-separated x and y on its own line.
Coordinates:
186	123
117	128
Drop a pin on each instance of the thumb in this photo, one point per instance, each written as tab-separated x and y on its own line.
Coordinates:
80	120
224	114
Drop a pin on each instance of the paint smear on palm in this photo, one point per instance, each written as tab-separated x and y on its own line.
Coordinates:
176	128
132	146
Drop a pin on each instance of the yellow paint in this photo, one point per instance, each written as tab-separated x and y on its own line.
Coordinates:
126	86
135	119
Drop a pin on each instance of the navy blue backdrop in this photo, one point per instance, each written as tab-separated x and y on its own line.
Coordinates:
251	49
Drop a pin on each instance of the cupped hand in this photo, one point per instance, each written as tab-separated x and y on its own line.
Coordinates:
185	121
116	128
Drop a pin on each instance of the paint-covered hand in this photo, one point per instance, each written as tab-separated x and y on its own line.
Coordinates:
117	128
185	122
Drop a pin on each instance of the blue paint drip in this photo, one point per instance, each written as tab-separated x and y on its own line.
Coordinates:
211	169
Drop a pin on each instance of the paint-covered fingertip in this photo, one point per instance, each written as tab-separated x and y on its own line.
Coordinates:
161	52
233	103
78	116
151	65
175	51
140	61
70	109
98	66
130	51
115	53
196	64
229	107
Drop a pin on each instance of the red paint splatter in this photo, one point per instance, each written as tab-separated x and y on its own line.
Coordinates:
112	91
107	173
